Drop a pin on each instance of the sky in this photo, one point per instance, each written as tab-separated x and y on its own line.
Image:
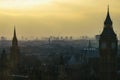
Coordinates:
43	18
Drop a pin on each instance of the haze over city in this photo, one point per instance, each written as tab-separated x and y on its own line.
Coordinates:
40	18
59	40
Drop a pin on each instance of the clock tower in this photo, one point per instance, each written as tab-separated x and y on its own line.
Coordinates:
108	45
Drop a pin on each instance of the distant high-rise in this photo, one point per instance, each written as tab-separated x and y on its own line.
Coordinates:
14	51
108	45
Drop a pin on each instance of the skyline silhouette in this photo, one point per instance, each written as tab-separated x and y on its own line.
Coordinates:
62	58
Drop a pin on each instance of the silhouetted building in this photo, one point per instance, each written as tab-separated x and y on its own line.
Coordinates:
90	51
108	45
14	52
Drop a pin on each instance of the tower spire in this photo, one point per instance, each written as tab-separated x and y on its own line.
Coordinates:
108	20
108	8
14	53
14	31
108	12
14	41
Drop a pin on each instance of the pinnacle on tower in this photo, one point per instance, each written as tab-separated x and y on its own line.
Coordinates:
14	32
108	20
14	41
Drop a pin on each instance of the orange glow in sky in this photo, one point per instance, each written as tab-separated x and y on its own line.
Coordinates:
40	18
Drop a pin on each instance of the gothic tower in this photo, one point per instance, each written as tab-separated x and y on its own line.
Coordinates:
14	50
108	45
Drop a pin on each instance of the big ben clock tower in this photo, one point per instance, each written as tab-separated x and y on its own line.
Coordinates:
108	45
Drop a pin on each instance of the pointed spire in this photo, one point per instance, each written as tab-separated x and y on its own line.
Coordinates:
108	8
108	20
108	14
14	31
108	29
14	41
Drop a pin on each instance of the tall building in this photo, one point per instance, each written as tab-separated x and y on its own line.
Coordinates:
14	51
108	45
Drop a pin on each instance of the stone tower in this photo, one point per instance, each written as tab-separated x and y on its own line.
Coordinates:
108	45
14	51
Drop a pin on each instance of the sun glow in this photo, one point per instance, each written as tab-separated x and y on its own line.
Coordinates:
18	4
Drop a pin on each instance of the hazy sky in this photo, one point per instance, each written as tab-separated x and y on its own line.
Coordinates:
39	18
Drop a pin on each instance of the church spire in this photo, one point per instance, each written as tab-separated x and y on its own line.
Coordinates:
14	41
108	20
14	31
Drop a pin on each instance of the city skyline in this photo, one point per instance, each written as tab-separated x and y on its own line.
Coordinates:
53	40
56	17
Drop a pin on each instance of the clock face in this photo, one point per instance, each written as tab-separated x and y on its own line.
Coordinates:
103	45
113	45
